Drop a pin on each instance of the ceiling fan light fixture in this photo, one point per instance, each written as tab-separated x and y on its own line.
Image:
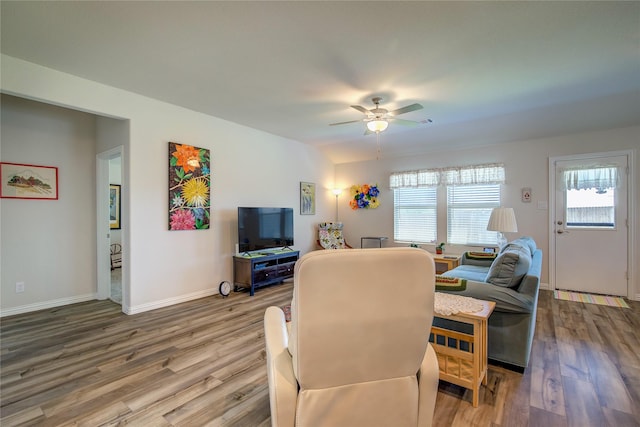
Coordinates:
377	125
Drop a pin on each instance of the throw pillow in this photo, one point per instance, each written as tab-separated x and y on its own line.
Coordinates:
524	242
530	242
510	267
502	269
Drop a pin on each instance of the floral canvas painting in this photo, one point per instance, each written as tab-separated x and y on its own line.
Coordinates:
364	196
189	187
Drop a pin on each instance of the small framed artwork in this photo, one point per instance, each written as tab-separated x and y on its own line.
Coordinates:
23	181
307	198
114	207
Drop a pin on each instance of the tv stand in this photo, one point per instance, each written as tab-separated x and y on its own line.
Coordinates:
258	271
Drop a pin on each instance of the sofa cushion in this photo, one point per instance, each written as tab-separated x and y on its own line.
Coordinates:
469	272
510	266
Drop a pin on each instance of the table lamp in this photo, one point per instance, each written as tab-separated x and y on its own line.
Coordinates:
502	220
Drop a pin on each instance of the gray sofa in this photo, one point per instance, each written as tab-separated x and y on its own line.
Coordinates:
512	280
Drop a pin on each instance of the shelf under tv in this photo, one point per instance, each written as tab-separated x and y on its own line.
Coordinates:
263	269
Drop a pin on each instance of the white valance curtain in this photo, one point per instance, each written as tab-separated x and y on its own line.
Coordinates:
464	175
413	179
590	177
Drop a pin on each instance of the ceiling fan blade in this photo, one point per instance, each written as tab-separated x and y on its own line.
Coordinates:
344	123
407	109
404	122
361	109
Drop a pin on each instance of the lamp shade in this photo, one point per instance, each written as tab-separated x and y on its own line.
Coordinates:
502	220
377	125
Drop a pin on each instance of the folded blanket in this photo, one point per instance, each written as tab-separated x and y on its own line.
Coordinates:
481	255
450	283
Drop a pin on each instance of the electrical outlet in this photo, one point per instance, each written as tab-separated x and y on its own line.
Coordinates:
19	287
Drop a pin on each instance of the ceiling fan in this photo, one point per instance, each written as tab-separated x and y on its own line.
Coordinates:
377	119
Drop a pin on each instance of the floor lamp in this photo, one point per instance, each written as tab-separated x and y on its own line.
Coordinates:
337	192
502	220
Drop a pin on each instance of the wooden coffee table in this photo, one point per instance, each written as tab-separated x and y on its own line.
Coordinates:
463	357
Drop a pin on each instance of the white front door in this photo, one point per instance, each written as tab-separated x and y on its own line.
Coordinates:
590	224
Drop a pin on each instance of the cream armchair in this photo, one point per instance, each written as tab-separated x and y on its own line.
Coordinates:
356	352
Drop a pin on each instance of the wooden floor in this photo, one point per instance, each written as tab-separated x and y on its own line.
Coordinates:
203	363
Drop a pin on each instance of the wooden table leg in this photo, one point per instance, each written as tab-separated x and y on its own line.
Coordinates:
477	332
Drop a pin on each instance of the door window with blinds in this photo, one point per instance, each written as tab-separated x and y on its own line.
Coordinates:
590	197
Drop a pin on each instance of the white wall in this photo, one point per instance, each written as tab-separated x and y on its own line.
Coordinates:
249	167
526	164
50	245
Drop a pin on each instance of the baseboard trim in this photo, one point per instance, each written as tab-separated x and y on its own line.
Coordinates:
47	304
169	301
89	297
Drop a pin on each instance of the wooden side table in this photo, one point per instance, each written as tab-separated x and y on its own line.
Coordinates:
445	262
462	357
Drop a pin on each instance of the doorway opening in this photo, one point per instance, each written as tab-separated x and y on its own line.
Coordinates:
111	231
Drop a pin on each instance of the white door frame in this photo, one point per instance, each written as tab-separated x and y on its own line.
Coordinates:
103	230
631	206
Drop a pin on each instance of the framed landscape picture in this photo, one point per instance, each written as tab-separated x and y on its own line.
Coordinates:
307	198
23	181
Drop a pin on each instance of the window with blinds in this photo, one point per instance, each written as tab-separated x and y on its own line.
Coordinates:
415	214
468	211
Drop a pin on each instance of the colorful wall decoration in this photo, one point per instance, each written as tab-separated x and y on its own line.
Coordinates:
189	187
364	196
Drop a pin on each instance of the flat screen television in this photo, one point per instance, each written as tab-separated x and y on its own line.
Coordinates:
264	228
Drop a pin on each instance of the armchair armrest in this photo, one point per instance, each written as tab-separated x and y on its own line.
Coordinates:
283	387
428	377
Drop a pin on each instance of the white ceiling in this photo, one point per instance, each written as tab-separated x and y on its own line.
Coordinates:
485	72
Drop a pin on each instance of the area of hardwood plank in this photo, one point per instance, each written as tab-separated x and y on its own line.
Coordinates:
203	363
